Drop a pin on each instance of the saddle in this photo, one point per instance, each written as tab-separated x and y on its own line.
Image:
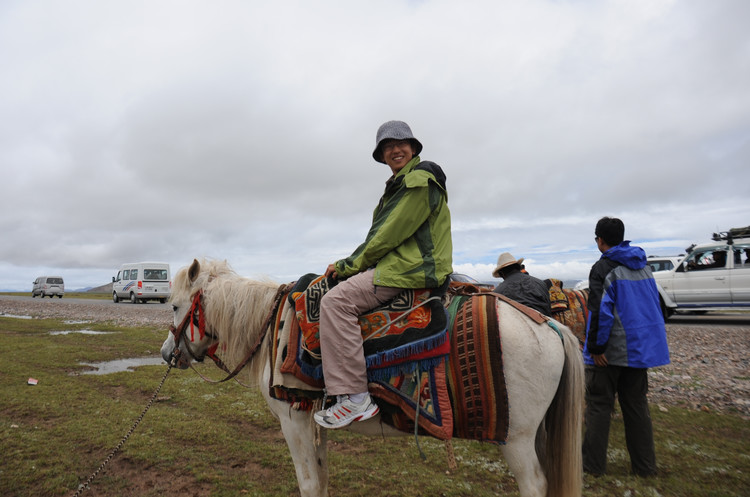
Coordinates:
570	307
557	299
407	332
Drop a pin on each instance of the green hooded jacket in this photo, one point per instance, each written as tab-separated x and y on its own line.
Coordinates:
409	243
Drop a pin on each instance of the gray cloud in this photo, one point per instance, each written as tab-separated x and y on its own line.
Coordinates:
243	131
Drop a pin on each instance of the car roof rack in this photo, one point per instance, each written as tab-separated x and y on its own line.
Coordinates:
733	233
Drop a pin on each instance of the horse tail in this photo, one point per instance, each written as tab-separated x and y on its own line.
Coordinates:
559	436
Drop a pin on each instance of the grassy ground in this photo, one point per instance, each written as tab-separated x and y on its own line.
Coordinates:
200	439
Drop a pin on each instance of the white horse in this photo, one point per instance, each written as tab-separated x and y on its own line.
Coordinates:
543	374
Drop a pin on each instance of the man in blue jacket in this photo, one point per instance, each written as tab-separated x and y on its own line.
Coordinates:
625	336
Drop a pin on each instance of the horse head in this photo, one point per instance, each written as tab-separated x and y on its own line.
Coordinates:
188	338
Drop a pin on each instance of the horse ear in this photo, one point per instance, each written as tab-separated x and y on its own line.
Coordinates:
195	268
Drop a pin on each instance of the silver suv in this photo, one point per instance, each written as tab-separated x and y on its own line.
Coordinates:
713	276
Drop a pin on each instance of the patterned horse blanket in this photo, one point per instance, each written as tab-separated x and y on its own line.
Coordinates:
570	307
465	397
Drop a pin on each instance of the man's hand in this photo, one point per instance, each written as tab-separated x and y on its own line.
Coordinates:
600	360
331	272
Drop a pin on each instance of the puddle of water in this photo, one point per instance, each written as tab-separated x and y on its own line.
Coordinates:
14	316
120	365
83	332
76	321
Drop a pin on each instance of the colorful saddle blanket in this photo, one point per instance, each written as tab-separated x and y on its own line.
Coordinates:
404	334
464	396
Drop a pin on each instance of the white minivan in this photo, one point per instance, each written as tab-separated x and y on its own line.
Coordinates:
141	282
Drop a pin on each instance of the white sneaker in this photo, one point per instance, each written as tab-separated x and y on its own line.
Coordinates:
344	412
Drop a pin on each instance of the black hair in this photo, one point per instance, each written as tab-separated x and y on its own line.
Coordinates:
611	230
509	269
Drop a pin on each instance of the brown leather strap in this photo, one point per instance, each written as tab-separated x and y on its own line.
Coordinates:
535	315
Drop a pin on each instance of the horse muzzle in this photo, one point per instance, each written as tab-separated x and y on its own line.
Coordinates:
170	351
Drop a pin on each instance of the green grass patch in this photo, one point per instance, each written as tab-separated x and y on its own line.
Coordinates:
220	440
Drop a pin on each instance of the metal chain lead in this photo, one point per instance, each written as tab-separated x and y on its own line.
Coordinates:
85	485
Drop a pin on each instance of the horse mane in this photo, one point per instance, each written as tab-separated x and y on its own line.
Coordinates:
235	308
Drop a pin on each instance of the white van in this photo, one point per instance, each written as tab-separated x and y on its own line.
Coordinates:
48	286
142	281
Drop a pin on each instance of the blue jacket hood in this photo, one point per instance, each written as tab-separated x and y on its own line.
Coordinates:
632	257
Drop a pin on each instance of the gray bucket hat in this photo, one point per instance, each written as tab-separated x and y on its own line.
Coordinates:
394	130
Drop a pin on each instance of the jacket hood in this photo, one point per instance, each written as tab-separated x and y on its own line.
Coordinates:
435	170
631	257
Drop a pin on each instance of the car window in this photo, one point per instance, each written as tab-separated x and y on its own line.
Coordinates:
660	265
55	281
133	274
126	274
155	274
742	255
707	259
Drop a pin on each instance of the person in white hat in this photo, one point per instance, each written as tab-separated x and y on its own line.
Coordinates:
521	286
407	246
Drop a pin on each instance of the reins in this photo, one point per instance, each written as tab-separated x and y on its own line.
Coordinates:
83	486
196	308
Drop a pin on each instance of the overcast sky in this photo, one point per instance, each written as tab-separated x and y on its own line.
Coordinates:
242	130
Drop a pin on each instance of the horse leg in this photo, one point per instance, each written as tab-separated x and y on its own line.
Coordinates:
307	445
306	442
533	359
522	460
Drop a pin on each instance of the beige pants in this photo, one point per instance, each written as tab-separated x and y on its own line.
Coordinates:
341	349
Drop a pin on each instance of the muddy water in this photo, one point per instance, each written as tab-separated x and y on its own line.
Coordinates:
120	365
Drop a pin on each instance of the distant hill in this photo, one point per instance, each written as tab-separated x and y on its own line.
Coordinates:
101	289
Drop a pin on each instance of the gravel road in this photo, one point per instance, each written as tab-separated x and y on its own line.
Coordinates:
710	367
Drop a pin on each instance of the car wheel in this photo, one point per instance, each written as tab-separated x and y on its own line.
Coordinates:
42	295
666	311
163	301
59	296
133	300
33	295
115	298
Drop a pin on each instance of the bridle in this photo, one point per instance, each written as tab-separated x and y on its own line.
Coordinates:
196	317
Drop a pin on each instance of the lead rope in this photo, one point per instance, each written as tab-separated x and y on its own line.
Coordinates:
83	486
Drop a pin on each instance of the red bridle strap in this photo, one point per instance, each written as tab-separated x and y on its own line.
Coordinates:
180	329
196	305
